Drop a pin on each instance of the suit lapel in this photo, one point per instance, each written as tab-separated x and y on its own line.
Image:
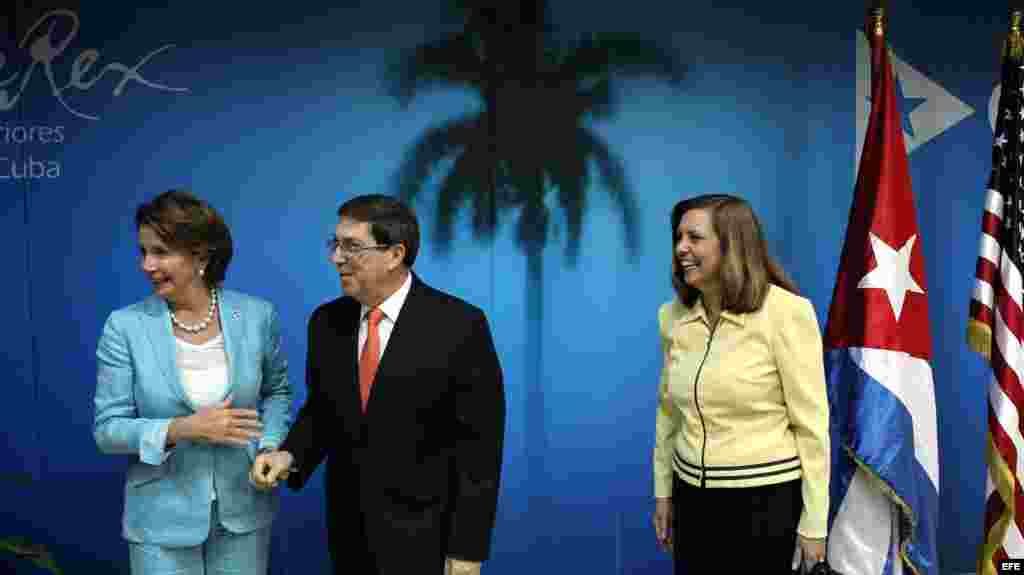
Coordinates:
156	323
230	312
402	343
341	354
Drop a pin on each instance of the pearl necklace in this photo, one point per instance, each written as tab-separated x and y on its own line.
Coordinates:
194	329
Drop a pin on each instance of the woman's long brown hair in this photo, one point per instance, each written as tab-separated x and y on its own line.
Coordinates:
747	268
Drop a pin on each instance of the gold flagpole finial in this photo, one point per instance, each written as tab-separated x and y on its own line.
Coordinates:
1015	40
877	19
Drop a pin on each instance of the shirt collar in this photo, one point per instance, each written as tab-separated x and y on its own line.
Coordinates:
392	306
697	312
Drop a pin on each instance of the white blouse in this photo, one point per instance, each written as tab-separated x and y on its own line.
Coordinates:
204	371
204	374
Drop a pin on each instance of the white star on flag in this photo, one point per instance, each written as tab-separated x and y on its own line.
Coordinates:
1001	140
892	272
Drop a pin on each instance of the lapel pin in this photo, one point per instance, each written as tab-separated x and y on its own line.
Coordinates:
236	315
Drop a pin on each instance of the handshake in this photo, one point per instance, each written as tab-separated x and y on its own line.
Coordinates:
270	467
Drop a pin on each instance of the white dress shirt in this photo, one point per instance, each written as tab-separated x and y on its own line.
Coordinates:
391	308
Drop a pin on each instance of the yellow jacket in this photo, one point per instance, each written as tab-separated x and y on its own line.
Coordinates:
746	404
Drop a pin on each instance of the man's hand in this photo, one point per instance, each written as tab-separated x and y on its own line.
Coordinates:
460	567
269	468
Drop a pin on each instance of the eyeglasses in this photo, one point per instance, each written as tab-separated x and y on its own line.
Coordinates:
350	250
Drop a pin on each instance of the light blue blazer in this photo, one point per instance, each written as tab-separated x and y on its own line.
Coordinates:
139	391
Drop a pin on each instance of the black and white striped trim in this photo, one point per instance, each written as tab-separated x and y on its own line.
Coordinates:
727	473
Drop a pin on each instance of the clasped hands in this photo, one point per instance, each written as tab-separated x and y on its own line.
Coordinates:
806	554
224	425
270	468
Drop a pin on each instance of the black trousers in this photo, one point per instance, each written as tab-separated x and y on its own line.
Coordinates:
735	530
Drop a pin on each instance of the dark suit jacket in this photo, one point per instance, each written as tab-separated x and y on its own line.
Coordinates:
415	478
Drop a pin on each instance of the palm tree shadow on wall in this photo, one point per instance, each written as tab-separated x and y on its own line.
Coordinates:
525	153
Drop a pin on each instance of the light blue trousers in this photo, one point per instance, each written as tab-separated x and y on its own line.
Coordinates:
223	553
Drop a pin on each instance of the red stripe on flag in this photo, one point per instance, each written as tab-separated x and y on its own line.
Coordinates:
987	271
990	224
1012	317
1010	384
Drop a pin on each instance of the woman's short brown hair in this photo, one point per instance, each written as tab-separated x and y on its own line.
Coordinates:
747	268
188	224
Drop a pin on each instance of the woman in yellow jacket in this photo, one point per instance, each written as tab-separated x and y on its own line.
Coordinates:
741	462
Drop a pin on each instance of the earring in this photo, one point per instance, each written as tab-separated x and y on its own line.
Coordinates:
202	271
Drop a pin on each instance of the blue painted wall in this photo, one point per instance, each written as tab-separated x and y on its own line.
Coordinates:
285	117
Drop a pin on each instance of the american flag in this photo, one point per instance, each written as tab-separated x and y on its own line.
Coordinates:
885	464
996	316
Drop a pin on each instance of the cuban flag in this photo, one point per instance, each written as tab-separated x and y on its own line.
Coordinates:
885	467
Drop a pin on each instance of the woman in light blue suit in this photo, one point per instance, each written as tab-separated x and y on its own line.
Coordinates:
192	385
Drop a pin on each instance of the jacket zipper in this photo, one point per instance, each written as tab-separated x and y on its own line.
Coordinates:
696	402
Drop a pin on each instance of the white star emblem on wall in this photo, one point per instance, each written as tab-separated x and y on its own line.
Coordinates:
892	272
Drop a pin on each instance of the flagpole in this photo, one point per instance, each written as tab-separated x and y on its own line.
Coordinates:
885	465
996	326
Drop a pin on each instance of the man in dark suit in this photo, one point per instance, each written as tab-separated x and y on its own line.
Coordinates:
405	400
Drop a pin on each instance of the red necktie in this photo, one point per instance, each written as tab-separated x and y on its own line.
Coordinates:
370	357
